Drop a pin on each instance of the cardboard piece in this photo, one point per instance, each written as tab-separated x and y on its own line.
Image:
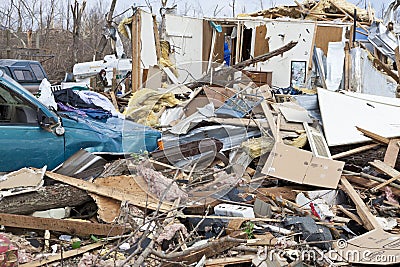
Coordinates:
375	247
300	166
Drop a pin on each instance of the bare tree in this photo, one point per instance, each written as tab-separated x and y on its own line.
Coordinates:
186	9
149	5
261	4
232	5
77	11
217	11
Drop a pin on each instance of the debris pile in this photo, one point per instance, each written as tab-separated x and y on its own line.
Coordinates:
236	170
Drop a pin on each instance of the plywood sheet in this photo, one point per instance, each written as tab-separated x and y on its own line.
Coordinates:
261	45
342	113
326	34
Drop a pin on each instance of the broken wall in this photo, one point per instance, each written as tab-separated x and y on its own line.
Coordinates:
278	34
186	39
148	53
365	78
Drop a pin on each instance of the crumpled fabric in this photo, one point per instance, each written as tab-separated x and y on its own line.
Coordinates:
99	100
67	96
145	103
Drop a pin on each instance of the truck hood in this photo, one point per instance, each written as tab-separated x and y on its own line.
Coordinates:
112	135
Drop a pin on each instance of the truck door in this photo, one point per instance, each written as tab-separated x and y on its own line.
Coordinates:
23	143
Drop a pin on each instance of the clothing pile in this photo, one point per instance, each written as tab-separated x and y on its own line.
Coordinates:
85	102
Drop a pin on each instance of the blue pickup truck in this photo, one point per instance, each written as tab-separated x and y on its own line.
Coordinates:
32	135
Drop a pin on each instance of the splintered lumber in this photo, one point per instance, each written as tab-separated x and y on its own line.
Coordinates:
350	214
61	256
388	182
392	152
374	136
73	227
222	74
385	168
388	170
230	260
46	197
354	151
363	211
264	57
369	181
139	197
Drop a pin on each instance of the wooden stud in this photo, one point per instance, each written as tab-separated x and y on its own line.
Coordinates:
369	221
136	50
350	214
114	100
374	136
81	228
385	168
156	38
141	198
64	255
392	152
354	151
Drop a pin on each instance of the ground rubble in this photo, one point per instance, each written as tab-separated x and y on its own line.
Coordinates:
248	185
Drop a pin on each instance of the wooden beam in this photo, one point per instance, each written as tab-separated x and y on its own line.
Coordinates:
270	118
136	50
350	214
374	136
388	182
354	151
80	228
64	255
141	198
386	69
347	64
227	261
156	38
368	182
385	168
114	100
363	211
392	152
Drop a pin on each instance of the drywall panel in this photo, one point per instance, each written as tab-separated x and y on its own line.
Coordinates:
186	39
148	54
326	34
342	113
365	78
280	33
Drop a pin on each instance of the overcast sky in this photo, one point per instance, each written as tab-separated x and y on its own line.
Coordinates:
207	7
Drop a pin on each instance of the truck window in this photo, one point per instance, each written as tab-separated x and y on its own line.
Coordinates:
37	70
14	110
23	75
